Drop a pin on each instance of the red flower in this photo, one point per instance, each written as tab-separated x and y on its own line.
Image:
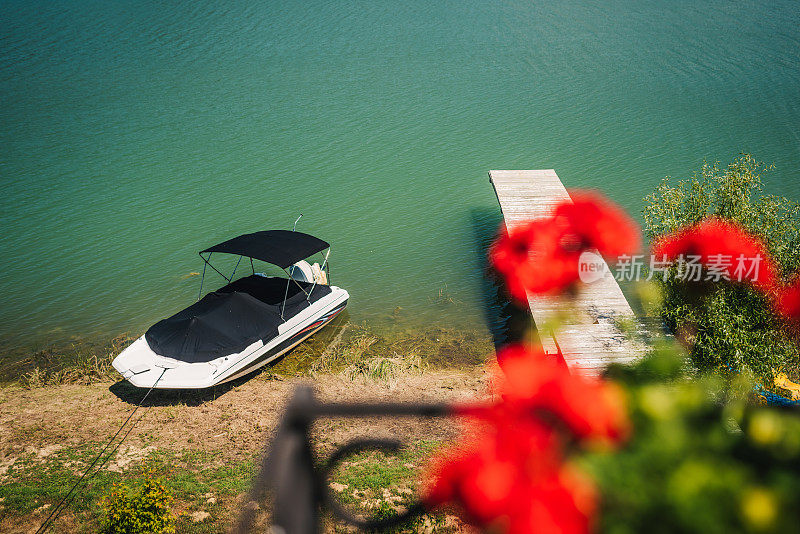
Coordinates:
509	469
788	302
591	408
725	247
533	258
542	256
510	255
599	223
563	504
513	476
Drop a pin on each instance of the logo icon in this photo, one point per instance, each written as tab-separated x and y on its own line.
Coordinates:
591	267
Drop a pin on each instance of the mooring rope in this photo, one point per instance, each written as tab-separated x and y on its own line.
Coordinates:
62	505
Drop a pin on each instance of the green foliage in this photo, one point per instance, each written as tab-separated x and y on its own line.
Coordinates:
729	326
145	511
734	193
700	458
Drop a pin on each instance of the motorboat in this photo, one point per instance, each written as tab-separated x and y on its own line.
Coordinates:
244	325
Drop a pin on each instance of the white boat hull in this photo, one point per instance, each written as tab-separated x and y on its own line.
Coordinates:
142	367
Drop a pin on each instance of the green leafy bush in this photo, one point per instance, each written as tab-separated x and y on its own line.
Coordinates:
146	511
729	326
701	459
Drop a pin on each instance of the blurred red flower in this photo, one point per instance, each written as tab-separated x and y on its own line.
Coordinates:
484	474
566	503
725	246
535	381
512	476
532	258
542	256
598	223
509	469
788	302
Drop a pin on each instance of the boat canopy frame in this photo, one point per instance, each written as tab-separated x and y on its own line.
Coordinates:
287	248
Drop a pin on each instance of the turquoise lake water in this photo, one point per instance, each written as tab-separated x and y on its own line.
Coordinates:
134	135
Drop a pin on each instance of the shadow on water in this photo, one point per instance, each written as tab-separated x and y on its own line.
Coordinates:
508	322
305	353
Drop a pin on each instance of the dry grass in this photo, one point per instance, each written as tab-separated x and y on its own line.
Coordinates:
344	352
89	368
385	369
75	364
360	349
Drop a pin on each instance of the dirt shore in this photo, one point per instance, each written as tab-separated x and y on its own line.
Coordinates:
45	430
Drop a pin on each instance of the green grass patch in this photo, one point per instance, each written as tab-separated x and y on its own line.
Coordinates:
379	485
371	484
189	476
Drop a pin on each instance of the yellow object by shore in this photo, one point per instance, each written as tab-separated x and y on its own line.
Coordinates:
782	381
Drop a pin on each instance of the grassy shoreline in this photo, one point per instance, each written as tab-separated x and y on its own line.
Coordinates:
341	345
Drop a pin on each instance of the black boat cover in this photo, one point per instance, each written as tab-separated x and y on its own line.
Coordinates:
216	325
230	319
279	247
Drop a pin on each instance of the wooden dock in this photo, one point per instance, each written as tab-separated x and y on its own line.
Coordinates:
587	332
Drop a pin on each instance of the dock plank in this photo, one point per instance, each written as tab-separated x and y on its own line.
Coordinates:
589	337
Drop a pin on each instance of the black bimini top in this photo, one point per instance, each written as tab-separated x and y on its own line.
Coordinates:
279	247
231	319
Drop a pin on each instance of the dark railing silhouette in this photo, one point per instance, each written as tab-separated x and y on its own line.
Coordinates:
299	485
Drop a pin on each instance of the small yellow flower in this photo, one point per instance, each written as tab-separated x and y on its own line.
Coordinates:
759	508
765	428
